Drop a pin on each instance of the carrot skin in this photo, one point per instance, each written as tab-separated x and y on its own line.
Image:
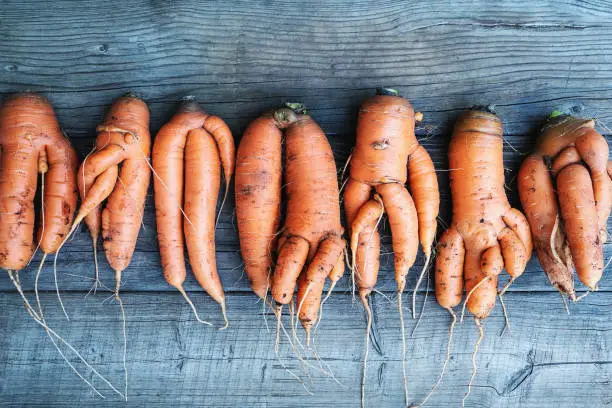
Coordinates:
449	269
311	286
539	203
568	156
576	197
492	261
424	190
313	205
366	249
566	142
513	252
292	257
338	271
31	141
365	244
517	222
17	192
385	140
222	134
122	215
593	149
479	204
122	138
402	215
257	188
188	154
387	153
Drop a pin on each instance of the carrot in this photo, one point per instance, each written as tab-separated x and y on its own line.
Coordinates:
486	234
386	156
313	212
309	245
188	153
566	190
117	171
32	143
258	196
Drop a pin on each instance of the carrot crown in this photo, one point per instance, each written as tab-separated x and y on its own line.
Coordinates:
189	103
297	107
555	118
133	95
387	91
484	108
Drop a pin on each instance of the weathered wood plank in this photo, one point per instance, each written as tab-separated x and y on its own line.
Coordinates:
241	58
550	359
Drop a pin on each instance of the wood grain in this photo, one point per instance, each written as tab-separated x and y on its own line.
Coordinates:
240	58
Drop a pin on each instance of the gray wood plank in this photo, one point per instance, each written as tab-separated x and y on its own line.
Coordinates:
549	359
241	58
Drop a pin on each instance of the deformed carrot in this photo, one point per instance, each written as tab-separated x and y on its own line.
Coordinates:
188	154
386	156
568	212
32	143
486	234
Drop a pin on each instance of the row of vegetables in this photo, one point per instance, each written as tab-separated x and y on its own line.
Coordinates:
284	161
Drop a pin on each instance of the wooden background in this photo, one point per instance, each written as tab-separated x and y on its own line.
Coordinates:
240	58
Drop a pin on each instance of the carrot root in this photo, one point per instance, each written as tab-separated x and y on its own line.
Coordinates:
474	366
403	331
193	308
51	332
506	318
123	328
279	313
446	360
506	286
366	305
329	292
416	289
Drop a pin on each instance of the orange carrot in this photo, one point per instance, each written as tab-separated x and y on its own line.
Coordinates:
117	171
569	226
188	153
313	211
386	156
486	234
310	247
122	150
32	143
258	192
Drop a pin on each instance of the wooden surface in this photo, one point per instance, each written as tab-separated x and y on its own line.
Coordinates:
240	58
